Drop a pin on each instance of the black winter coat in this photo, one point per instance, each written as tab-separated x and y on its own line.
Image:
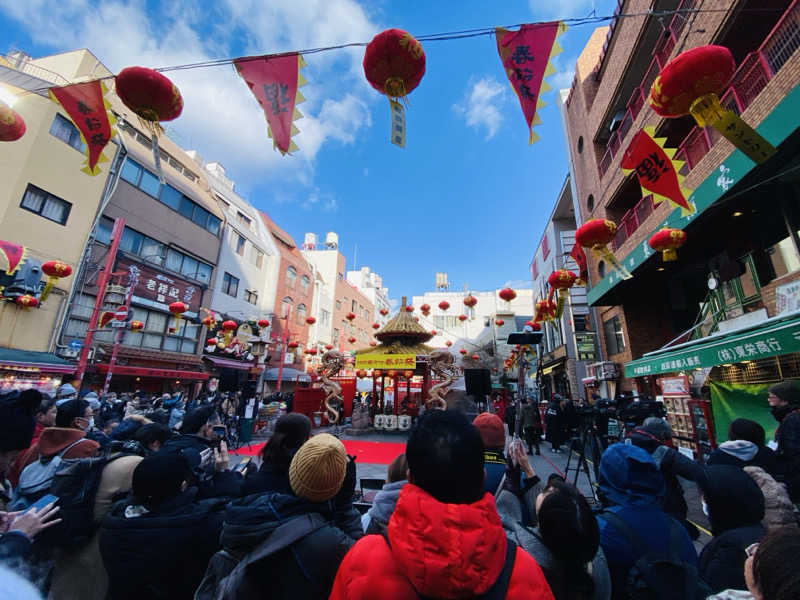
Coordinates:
305	570
163	553
210	483
788	438
269	478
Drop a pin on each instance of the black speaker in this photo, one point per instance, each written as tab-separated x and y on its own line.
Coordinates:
477	382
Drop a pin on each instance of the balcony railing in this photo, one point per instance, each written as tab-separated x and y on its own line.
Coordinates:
631	221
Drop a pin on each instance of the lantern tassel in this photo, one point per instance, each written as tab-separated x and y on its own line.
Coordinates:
47	287
605	253
398	123
562	299
177	321
669	254
157	157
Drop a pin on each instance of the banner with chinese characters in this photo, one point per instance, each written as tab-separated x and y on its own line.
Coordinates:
274	82
91	114
13	256
526	55
386	361
658	174
158	290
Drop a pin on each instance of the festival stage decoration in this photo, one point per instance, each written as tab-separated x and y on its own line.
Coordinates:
595	234
444	305
154	99
177	309
657	172
579	256
275	82
228	327
470	301
136	326
12	125
691	83
667	241
90	112
462	318
526	55
394	63
310	320
561	280
54	269
26	301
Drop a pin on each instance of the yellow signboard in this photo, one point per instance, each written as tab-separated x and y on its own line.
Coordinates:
386	361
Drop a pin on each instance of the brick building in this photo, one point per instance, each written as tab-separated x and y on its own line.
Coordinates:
742	244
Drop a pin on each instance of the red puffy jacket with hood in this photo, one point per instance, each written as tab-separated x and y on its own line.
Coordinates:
437	550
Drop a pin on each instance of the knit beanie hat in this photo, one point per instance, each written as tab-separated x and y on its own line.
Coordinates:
159	477
490	426
17	419
657	427
788	391
318	469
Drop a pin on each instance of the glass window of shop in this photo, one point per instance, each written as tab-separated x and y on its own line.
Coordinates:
156	334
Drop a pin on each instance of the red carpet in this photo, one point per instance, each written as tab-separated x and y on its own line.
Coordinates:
378	453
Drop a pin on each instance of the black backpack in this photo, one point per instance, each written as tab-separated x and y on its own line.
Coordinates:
659	576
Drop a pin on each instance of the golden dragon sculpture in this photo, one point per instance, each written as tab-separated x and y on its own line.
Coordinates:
443	366
332	363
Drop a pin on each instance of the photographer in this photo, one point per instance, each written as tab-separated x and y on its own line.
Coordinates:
554	419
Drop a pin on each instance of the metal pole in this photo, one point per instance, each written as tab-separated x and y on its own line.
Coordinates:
133	279
102	282
284	336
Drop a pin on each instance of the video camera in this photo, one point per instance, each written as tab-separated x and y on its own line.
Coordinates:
635	413
597	415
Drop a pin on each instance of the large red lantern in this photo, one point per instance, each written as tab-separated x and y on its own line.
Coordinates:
351	339
350	316
409	309
310	320
597	234
376	325
12	125
425	309
177	309
383	312
448	343
667	241
328	346
691	83
561	280
499	322
462	318
262	323
507	294
475	357
444	305
209	341
26	301
209	321
228	327
470	301
310	351
54	269
463	351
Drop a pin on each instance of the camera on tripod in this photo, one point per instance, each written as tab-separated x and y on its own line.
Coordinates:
596	416
635	413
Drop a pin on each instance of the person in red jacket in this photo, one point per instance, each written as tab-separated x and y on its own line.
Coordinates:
445	538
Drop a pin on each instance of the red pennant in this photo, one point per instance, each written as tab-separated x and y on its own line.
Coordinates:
525	55
85	105
13	254
274	82
657	172
579	256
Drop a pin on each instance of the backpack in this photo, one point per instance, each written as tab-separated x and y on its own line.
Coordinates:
659	576
36	479
498	589
226	577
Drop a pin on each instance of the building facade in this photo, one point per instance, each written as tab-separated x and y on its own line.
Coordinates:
370	284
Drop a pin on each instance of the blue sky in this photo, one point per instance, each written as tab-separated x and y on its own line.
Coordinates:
467	195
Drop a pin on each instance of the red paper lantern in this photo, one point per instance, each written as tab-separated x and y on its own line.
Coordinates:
328	346
462	351
209	341
596	233
376	325
209	321
433	332
425	309
444	305
562	280
12	125
499	322
409	309
536	326
462	318
54	269
529	323
350	316
394	63
138	326
690	75
408	374
149	94
351	339
507	294
475	357
263	323
470	301
311	351
667	241
310	320
26	301
292	345
448	343
383	312
177	309
373	343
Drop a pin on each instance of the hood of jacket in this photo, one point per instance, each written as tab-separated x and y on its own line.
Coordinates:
741	449
629	476
385	500
54	439
250	520
447	550
733	498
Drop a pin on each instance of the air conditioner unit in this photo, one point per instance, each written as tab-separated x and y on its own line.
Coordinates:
68	353
607	371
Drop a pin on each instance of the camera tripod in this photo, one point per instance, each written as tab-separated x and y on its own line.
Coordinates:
588	440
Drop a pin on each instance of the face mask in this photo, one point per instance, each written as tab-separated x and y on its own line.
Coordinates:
705	507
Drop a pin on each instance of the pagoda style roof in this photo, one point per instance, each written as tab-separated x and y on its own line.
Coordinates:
403	329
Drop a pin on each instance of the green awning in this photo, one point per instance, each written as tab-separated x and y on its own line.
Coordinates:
773	337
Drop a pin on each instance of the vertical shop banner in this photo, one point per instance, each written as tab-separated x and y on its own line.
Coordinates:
658	174
91	113
731	401
526	55
274	82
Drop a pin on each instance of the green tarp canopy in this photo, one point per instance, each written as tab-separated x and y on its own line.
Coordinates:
731	401
773	337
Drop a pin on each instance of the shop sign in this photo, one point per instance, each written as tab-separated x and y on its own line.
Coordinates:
386	361
781	338
158	289
787	298
674	386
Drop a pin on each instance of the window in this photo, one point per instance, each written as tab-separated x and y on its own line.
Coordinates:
783	258
186	207
338	305
590	203
174	260
131	241
255	256
580	322
251	296
171	197
204	272
239	242
301	314
156	332
189	267
580	144
335	336
353	306
153	251
324	317
63	129
46	205
243	220
615	342
200	216
291	276
230	285
102	232
305	282
149	184
601	268
131	172
286	306
213	224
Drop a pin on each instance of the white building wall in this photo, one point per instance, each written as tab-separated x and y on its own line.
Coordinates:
371	285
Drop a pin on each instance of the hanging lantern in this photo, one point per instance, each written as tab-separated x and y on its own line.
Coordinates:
545	311
667	241
211	342
154	98
26	301
351	339
350	316
433	332
54	269
292	345
373	343
529	323
536	326
136	326
209	322
177	309
361	373
425	309
408	374
561	280
328	346
448	343
376	325
463	351
228	327
507	294
596	234
310	320
462	318
394	64
475	357
409	308
383	312
470	301
310	351
262	323
444	305
691	83
12	125
499	322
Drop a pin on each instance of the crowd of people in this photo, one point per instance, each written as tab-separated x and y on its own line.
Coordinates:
102	501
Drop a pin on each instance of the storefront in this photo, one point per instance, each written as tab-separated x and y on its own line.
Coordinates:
24	369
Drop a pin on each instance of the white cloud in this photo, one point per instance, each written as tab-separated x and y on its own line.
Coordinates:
221	118
547	9
317	200
480	105
565	72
